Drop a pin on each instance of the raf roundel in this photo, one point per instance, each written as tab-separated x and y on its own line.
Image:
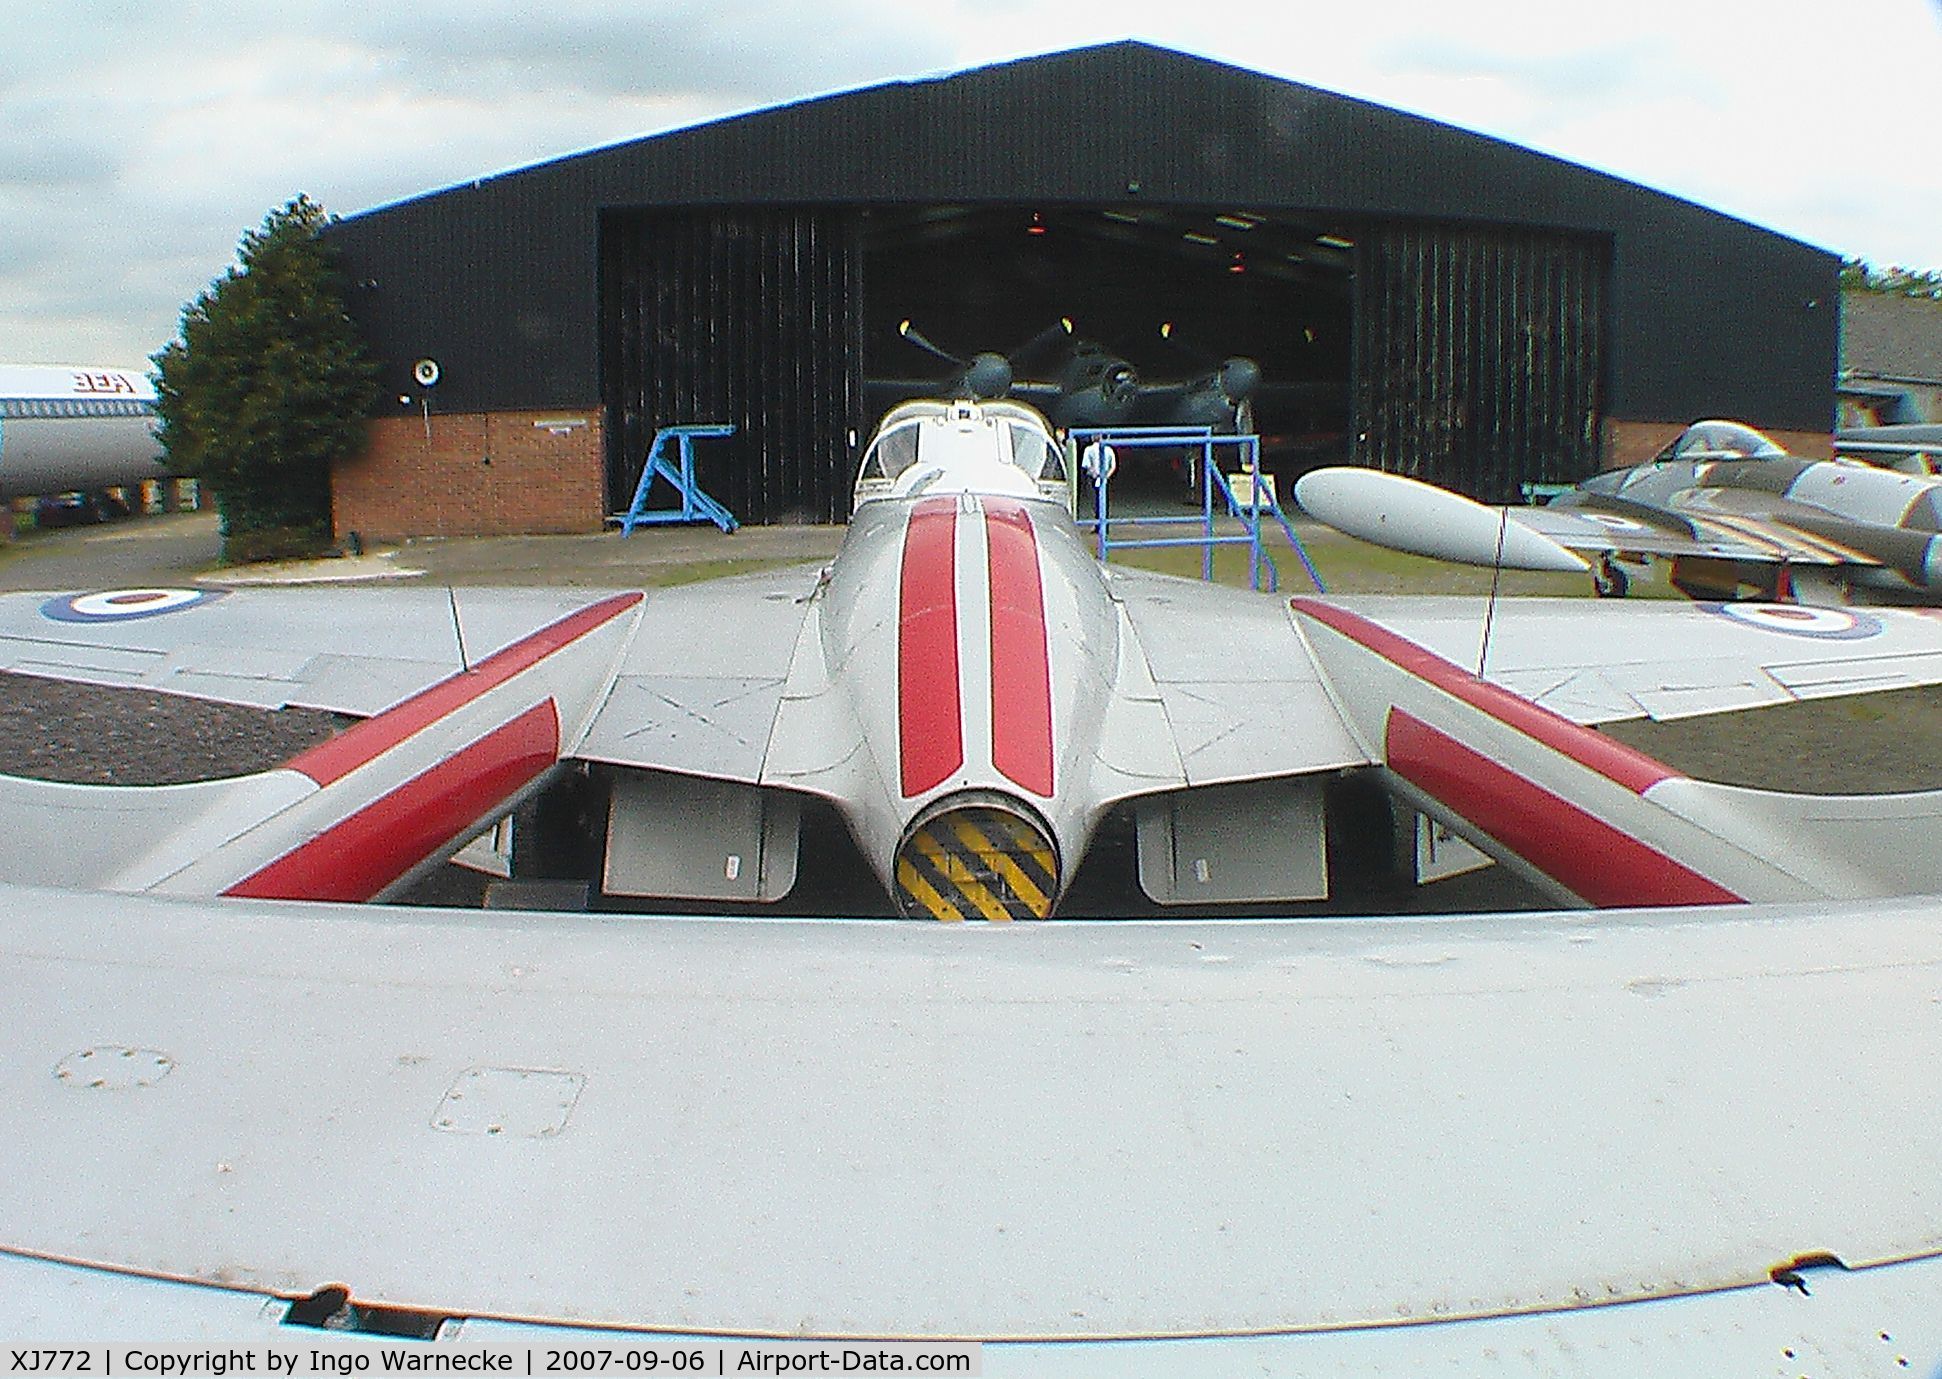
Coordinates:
1796	620
1614	523
124	605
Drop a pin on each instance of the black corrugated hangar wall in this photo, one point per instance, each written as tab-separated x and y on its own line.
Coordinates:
497	279
745	316
1479	355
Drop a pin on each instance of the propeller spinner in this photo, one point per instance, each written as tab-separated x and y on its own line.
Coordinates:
987	374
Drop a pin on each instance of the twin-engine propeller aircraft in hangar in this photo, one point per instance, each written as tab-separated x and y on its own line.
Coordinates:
1094	387
1187	1146
1725	506
972	692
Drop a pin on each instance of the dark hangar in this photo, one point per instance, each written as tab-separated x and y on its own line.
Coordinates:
1418	297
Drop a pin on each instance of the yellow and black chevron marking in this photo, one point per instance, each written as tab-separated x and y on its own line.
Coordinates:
977	862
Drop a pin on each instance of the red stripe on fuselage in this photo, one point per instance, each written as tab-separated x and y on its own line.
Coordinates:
365	851
1583	853
364	742
930	720
1021	672
1634	770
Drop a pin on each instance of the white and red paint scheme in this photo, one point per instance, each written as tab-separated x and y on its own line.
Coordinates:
359	814
1598	822
973	693
991	680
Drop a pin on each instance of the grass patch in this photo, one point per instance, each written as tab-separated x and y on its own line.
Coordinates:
667	576
1348	566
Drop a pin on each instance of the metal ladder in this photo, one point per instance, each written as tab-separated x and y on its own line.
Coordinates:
1261	499
696	506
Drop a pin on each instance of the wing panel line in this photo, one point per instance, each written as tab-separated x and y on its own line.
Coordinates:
364	742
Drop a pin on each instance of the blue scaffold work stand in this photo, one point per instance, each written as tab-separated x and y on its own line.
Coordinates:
696	506
1216	492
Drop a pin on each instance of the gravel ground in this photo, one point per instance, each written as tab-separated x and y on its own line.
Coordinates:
95	735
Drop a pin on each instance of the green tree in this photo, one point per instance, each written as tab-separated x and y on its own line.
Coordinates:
1892	281
267	386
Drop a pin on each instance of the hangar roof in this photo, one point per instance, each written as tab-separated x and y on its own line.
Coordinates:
1109	123
500	278
1891	337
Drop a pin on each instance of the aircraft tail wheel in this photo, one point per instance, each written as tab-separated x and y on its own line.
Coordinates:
1609	581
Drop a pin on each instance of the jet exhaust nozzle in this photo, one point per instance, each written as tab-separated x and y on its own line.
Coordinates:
978	856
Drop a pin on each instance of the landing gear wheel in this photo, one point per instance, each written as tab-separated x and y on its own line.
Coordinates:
1609	581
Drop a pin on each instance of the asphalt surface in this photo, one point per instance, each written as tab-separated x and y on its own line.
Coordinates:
56	731
122	554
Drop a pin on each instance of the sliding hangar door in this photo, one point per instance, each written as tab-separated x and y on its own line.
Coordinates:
1469	356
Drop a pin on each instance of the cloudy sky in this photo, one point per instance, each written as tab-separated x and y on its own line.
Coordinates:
139	138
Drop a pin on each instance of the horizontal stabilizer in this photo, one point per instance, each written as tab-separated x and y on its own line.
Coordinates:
1408	515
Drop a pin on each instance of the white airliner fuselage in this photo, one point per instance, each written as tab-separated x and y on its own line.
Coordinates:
75	428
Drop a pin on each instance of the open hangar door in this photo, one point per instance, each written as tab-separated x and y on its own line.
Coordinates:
1274	289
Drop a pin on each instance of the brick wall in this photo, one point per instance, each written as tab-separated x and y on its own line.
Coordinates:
1635	442
478	474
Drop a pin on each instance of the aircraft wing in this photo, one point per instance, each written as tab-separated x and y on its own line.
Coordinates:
701	682
696	691
700	686
351	651
1600	662
1712	523
1498	1143
1233	680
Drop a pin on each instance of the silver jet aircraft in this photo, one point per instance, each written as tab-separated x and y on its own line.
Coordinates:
972	693
79	428
1733	513
1691	1138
